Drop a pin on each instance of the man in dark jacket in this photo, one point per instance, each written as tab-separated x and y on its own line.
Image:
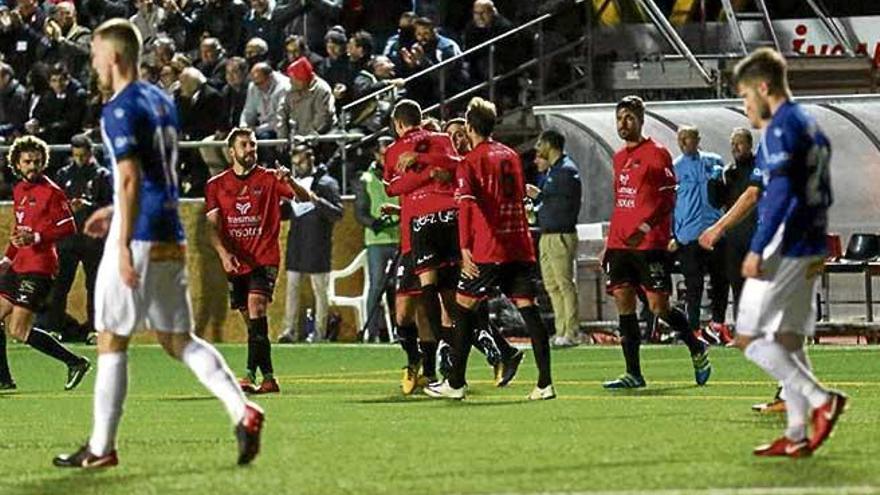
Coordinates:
197	105
558	202
60	111
310	241
13	103
88	187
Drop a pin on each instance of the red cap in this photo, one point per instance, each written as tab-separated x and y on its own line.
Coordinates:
301	70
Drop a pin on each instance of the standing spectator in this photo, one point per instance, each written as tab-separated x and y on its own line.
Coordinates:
309	106
558	202
261	22
197	106
405	36
147	19
13	103
265	93
359	50
59	113
487	23
430	49
164	49
23	42
255	51
88	187
69	42
311	19
93	12
381	233
310	241
212	61
223	19
295	47
232	98
334	68
694	169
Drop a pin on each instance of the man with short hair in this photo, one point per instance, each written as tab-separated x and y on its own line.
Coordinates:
69	41
636	249
265	93
558	203
696	171
42	217
60	111
212	61
786	255
496	250
142	275
89	186
243	207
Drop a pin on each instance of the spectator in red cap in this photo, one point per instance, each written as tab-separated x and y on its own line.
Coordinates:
308	108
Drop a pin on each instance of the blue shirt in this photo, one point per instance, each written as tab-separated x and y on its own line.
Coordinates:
793	157
559	203
140	122
693	213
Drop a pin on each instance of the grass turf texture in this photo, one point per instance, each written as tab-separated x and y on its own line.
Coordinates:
341	426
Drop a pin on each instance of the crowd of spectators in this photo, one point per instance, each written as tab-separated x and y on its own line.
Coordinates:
282	68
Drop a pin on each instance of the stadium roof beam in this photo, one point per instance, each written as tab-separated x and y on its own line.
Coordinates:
674	39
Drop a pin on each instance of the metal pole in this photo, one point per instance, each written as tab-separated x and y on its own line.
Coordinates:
443	93
542	69
673	38
492	73
341	145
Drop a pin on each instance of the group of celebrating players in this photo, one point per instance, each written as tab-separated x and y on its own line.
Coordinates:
465	238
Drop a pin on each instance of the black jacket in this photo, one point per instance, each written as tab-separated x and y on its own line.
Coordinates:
92	183
560	200
61	116
13	108
201	117
310	239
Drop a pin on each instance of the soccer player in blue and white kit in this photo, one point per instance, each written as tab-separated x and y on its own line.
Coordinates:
142	277
777	309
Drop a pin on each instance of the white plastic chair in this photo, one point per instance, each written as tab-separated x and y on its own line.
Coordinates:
359	303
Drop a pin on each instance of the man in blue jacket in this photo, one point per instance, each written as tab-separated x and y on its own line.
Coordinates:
558	202
694	170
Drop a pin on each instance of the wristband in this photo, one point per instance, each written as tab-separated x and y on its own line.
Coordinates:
36	237
644	228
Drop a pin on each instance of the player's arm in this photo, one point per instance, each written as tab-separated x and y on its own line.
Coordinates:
129	169
464	196
61	224
744	205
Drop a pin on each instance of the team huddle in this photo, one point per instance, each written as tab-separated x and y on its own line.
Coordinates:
464	239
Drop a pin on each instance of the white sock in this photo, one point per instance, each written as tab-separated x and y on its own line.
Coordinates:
780	364
210	368
797	408
111	385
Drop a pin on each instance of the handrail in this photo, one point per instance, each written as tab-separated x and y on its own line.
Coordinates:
538	20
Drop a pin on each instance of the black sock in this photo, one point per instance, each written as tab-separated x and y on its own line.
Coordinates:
5	376
445	334
429	352
630	340
679	323
49	345
462	337
431	305
540	343
262	346
252	351
409	342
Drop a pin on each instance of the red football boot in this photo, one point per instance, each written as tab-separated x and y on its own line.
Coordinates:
825	417
783	447
269	386
247	385
247	432
84	459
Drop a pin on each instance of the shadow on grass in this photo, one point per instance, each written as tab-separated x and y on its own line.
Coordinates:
394	399
190	398
77	481
652	391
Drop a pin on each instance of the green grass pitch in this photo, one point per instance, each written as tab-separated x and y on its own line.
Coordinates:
341	426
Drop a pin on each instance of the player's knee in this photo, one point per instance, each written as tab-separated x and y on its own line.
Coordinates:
790	341
172	344
625	300
257	305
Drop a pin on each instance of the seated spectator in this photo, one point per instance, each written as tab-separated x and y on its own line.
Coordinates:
93	12
22	42
149	73
232	98
372	115
13	104
295	47
405	36
310	240
197	105
59	112
164	49
430	49
265	93
261	22
309	106
168	79
359	51
212	61
255	51
147	19
69	42
334	68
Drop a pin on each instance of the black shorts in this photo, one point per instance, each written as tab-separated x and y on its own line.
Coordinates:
27	290
516	280
435	241
650	270
260	280
407	282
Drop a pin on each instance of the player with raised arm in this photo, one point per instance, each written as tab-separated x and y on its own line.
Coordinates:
777	309
635	251
142	280
497	254
42	217
243	207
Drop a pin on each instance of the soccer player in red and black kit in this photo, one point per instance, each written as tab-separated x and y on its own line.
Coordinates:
429	232
497	253
42	217
243	206
635	251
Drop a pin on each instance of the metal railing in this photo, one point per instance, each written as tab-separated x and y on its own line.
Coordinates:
493	79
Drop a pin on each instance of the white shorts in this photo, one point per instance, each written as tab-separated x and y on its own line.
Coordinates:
160	301
784	301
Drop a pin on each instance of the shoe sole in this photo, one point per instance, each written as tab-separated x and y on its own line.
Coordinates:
518	359
78	378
